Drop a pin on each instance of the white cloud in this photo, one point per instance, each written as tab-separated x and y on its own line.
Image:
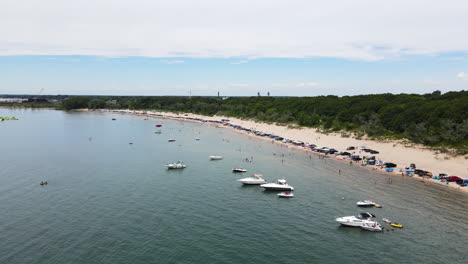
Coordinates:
308	84
239	62
172	61
238	85
358	29
462	75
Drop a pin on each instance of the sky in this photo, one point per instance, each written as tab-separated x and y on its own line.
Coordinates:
239	48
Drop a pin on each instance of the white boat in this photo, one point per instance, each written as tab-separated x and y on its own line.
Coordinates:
216	157
358	220
254	179
372	226
239	170
365	203
387	220
286	194
279	185
176	165
171	140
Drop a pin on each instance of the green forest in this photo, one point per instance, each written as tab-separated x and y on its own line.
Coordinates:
435	119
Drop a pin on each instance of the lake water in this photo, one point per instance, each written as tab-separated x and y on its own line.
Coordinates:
111	202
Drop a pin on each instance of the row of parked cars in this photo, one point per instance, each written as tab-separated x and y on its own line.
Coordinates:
442	176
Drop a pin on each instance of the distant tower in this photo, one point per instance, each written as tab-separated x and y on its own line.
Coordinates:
268	93
258	94
218	93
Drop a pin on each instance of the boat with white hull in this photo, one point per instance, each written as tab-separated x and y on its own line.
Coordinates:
216	157
357	221
254	179
366	203
239	170
176	165
372	226
279	185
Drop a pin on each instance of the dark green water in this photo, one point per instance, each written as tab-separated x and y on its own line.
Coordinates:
111	202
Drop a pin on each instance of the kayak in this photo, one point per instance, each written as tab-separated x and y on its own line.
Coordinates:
396	225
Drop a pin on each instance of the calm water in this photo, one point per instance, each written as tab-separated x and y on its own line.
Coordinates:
111	202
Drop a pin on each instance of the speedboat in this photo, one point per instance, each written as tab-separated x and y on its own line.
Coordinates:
158	132
239	170
279	185
365	203
216	157
158	125
171	140
356	220
286	194
176	165
372	226
254	179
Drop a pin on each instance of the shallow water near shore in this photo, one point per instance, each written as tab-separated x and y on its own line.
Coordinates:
109	201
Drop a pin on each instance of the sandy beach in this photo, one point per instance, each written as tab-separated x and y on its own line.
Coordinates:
398	152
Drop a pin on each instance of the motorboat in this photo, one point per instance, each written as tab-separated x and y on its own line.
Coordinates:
372	226
365	203
171	140
239	170
158	132
358	220
286	194
158	125
216	157
176	165
279	185
254	179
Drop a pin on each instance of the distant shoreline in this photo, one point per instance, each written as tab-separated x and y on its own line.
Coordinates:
391	151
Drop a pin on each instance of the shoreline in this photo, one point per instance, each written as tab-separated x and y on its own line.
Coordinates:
393	151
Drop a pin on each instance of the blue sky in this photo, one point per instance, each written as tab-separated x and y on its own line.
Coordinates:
206	76
296	47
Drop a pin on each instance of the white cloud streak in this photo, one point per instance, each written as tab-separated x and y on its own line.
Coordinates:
172	61
462	75
358	29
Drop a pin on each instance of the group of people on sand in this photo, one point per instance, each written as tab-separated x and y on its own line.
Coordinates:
43	183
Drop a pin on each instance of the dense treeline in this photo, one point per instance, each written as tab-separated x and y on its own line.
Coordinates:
435	119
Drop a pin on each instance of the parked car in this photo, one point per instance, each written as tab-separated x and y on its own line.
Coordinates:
350	148
453	178
374	152
390	165
420	172
443	175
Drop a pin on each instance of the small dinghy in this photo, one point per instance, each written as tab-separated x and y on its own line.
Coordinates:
286	194
171	140
239	170
372	226
158	125
386	220
158	132
216	157
365	203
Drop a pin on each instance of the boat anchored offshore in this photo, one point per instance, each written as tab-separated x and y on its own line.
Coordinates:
254	179
239	170
358	220
286	194
176	165
279	185
216	157
365	203
171	140
372	226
